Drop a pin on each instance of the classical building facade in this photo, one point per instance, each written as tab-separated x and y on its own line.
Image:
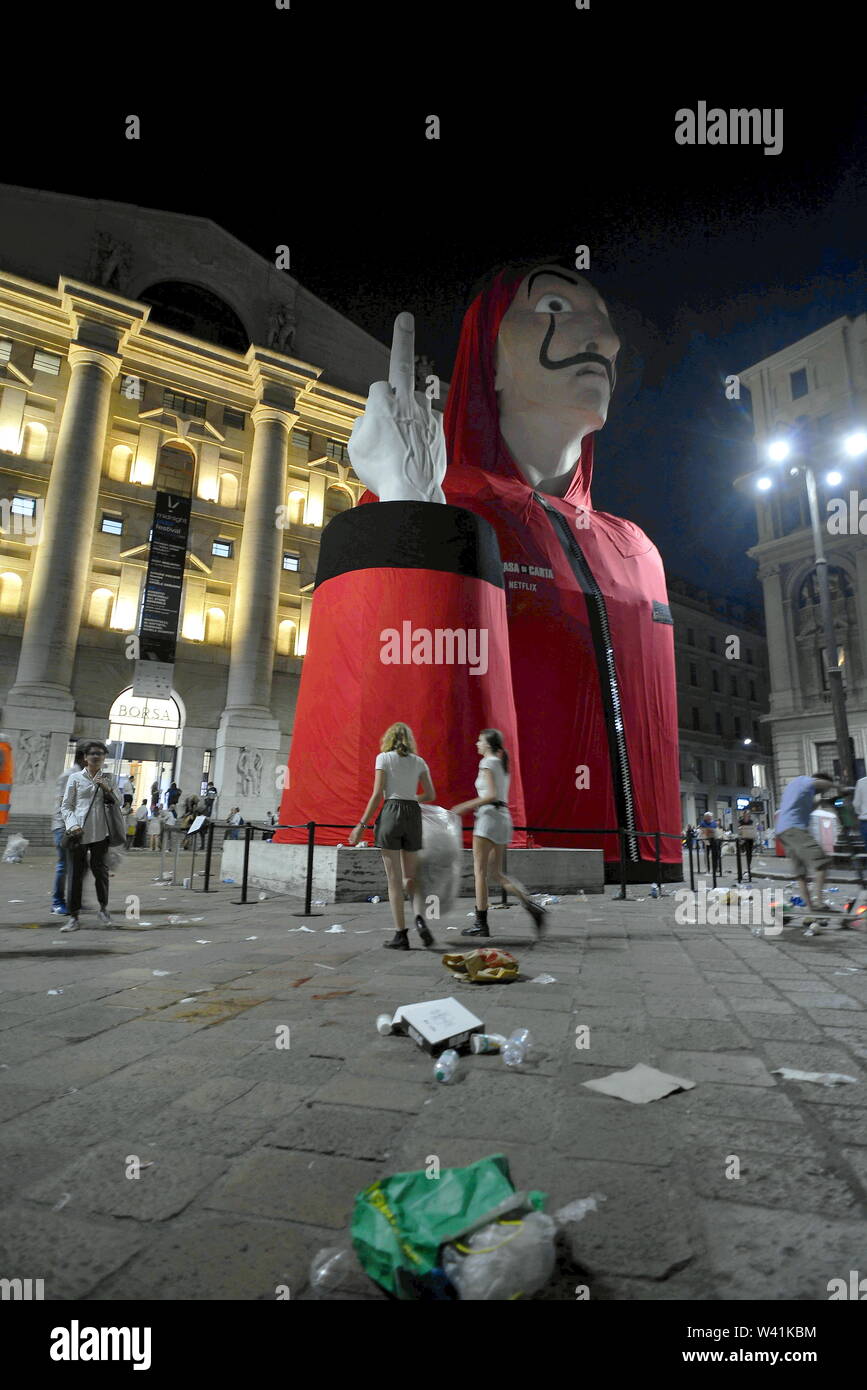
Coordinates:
154	351
722	699
815	392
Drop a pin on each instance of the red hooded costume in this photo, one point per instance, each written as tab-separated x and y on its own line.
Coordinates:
590	636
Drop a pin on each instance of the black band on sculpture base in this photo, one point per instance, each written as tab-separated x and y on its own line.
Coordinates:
410	535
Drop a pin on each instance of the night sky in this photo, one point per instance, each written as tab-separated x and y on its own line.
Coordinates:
307	127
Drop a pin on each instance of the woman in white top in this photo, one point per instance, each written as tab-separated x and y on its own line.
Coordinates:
398	772
493	831
83	810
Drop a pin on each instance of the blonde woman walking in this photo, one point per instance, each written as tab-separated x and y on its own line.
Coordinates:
493	831
397	775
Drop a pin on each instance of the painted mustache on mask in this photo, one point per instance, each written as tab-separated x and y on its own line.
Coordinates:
552	366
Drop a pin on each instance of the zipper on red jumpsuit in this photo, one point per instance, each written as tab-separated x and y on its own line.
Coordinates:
599	626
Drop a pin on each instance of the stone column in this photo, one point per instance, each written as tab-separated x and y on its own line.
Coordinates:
40	708
248	740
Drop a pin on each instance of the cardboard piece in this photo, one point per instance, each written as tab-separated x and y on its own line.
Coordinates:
640	1084
437	1024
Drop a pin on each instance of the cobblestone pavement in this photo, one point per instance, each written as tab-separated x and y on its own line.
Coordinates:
159	1042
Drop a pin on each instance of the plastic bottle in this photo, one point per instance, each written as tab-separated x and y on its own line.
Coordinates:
374	900
654	890
384	1025
516	1048
487	1042
446	1065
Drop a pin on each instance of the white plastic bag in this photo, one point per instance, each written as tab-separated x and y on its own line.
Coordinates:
438	871
504	1261
16	848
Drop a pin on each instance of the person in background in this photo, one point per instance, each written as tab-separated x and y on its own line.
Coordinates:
172	794
58	827
747	835
397	773
210	799
710	834
792	827
130	822
859	803
88	791
235	819
141	820
155	828
155	794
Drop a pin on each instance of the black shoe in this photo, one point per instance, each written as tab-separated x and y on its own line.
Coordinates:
399	942
477	929
539	916
424	931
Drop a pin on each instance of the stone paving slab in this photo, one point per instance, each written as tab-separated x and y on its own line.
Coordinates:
258	1151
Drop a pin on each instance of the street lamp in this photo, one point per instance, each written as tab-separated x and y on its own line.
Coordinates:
778	451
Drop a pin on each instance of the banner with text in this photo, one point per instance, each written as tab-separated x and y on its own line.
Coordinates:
158	633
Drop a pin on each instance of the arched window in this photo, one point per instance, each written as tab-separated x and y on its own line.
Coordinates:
337	499
10	593
120	464
228	494
195	310
215	626
838	582
175	469
34	440
296	508
100	607
286	638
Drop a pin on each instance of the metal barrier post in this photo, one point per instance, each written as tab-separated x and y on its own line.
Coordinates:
308	895
738	856
712	851
242	902
691	867
622	837
658	884
208	852
504	896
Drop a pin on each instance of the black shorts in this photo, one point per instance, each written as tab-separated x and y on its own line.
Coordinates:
398	825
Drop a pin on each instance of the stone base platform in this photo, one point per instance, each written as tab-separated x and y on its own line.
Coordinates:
353	875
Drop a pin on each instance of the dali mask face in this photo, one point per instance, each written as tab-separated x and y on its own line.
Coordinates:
555	352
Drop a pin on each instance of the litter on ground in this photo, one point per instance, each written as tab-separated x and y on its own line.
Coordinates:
640	1084
822	1078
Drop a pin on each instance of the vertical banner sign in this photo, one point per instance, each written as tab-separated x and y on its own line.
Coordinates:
158	634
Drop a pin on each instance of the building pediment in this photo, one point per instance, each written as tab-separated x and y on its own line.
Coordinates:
140	552
11	376
200	431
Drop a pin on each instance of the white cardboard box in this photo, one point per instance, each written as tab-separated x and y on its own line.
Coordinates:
437	1024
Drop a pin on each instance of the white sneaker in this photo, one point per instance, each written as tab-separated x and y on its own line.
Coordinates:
59	912
104	919
72	925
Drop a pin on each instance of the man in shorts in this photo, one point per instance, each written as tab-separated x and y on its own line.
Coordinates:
792	826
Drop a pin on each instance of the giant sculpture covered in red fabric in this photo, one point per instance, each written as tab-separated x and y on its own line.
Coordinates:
580	669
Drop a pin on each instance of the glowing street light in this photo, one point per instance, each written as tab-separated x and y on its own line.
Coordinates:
834	478
779	450
855	443
763	484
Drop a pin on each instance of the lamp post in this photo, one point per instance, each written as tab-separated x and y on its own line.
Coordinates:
778	452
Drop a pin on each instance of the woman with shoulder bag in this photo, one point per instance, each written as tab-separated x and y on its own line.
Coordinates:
492	832
397	774
89	808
